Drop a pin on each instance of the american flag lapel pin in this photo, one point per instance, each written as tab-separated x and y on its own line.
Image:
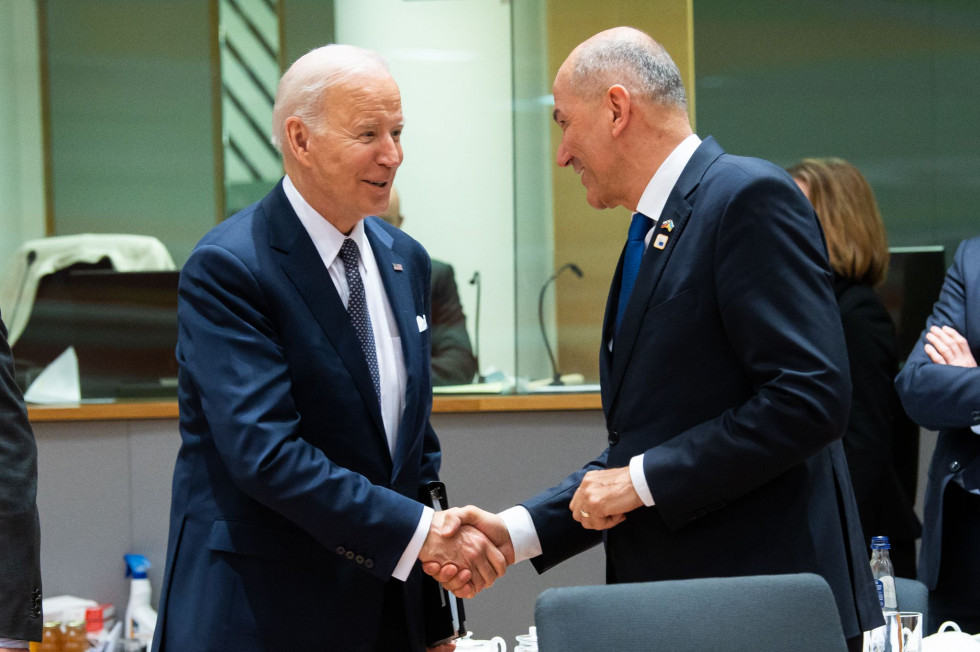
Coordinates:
396	266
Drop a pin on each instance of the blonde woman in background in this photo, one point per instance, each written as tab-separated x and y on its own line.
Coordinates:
878	431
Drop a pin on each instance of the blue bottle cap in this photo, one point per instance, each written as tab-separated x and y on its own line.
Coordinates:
136	566
880	543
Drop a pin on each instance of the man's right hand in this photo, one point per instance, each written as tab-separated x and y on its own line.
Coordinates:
453	577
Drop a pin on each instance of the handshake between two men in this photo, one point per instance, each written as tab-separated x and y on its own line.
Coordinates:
468	548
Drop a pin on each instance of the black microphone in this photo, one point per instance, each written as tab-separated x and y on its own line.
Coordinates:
556	380
476	327
31	257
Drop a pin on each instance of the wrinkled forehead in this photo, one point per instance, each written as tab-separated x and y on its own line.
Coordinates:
370	92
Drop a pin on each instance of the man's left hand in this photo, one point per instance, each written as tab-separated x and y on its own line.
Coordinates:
604	498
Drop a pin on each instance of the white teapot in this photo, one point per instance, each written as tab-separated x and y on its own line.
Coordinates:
469	644
949	638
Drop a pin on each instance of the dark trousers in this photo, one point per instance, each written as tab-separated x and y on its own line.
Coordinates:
393	636
957	593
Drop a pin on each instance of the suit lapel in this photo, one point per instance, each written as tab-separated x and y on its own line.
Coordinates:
304	267
677	211
396	275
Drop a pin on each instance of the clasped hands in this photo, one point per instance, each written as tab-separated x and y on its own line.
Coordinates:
467	548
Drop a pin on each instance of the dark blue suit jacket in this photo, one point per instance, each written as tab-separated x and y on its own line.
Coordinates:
20	530
946	398
729	371
289	513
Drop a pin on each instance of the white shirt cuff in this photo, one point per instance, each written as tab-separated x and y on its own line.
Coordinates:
639	479
411	553
976	429
14	643
522	532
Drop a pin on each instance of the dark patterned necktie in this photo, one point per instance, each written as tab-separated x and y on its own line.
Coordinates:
635	245
358	310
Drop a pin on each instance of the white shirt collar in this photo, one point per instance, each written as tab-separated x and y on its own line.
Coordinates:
326	238
655	195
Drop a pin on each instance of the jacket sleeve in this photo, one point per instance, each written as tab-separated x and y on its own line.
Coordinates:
781	326
939	396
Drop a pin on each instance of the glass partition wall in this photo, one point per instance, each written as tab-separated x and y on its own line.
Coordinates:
141	131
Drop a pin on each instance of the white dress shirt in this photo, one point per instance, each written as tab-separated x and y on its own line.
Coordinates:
391	360
652	202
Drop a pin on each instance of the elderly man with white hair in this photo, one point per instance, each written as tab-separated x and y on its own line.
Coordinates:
305	396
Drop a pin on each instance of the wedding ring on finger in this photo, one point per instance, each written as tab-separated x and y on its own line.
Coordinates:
584	513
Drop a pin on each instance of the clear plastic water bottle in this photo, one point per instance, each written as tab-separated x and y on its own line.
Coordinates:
884	573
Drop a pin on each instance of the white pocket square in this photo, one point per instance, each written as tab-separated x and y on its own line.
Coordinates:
420	320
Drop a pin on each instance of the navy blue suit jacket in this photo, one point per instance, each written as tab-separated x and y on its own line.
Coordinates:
729	372
20	530
289	513
946	398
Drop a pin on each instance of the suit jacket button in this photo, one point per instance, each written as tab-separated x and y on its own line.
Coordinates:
350	554
954	466
340	550
368	563
359	560
613	437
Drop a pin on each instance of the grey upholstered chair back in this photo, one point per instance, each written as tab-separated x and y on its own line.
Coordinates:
912	596
735	614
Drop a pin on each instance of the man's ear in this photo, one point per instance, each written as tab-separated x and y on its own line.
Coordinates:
298	140
619	103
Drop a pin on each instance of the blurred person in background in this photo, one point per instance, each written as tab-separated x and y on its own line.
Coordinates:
878	430
940	387
20	530
452	356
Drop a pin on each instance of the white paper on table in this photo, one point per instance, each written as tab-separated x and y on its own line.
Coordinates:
58	383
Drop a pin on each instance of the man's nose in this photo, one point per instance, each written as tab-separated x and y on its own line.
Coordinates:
391	152
562	157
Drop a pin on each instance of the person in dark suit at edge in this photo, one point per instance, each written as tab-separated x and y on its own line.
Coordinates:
878	430
20	530
723	370
305	397
452	356
940	388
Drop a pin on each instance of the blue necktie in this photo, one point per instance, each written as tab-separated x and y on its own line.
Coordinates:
358	310
635	246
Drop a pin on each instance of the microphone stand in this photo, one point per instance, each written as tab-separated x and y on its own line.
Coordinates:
556	379
475	280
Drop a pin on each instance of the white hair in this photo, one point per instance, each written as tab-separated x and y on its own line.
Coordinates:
303	86
631	58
